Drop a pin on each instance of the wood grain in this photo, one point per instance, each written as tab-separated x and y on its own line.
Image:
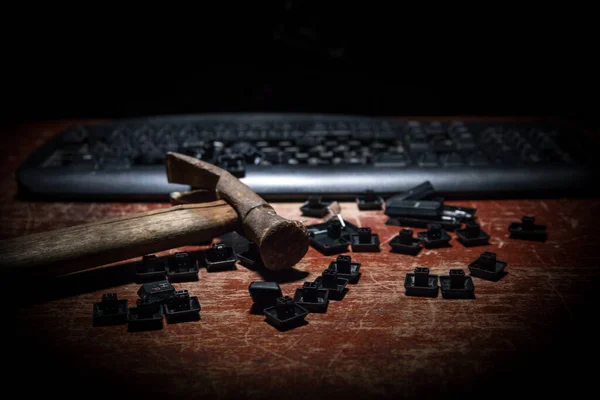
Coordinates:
532	334
104	242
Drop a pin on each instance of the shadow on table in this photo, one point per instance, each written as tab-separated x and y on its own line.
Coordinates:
34	289
286	276
40	289
240	245
283	276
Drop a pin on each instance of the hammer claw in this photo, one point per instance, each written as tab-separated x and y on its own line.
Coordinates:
282	242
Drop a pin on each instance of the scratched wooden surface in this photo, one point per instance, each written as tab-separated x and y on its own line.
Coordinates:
531	332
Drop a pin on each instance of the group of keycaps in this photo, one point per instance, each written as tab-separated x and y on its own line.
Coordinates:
158	298
457	284
285	312
417	207
183	267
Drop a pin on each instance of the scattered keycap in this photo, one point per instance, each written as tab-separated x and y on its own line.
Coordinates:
365	241
421	283
406	243
220	257
527	229
110	311
457	285
488	267
472	235
182	267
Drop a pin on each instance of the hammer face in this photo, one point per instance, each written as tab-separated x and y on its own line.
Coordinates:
283	244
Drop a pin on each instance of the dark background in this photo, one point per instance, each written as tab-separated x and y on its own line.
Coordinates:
298	56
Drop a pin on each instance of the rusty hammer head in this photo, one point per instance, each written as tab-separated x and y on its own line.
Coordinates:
282	242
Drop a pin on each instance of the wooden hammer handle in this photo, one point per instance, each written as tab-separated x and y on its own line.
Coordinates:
100	243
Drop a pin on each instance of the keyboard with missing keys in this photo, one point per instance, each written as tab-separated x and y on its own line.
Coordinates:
291	156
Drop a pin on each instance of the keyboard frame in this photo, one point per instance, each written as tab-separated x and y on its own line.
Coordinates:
297	182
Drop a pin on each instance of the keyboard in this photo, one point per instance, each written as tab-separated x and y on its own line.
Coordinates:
294	156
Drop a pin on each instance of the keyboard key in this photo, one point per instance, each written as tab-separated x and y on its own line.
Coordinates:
99	149
271	157
428	160
296	135
153	156
452	160
326	155
378	146
390	160
193	144
269	150
525	151
307	141
302	157
75	135
316	161
442	144
434	127
465	144
413	125
354	144
364	152
478	159
396	149
364	135
507	156
532	159
291	150
457	127
274	135
419	144
340	150
316	150
112	162
355	160
234	164
78	160
167	146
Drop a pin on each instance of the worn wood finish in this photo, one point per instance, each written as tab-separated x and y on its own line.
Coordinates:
532	334
193	196
99	243
282	242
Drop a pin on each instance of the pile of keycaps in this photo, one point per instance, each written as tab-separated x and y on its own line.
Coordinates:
285	312
158	300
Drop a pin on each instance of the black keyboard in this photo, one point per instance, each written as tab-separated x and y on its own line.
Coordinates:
291	157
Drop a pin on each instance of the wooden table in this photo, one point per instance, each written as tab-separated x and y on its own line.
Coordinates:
533	332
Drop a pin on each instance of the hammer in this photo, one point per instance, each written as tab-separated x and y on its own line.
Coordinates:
226	205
